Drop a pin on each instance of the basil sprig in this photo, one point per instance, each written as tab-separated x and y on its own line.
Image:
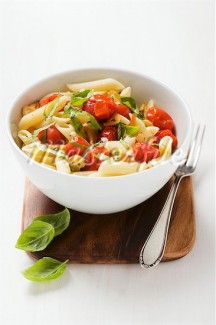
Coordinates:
36	237
60	221
42	230
45	269
80	98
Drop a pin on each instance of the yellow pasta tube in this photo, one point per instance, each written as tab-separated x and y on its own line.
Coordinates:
37	116
97	85
116	169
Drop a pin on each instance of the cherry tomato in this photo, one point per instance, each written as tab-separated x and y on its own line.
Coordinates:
101	107
92	161
47	99
52	135
76	147
143	152
123	110
160	134
160	118
109	132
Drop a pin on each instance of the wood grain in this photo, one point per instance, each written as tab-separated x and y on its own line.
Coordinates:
115	238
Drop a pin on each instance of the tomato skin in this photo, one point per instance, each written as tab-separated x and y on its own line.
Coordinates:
92	162
47	99
160	118
160	134
144	152
109	132
73	149
123	110
53	136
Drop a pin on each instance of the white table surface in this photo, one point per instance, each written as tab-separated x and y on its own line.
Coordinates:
171	41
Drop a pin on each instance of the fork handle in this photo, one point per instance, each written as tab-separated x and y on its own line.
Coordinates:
153	249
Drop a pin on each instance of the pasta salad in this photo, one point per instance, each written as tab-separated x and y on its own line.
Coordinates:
96	128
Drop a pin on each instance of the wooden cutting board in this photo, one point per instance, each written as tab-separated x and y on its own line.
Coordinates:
115	238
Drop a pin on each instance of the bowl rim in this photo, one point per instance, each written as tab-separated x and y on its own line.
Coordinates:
96	69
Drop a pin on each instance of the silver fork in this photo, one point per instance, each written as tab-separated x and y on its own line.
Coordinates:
153	249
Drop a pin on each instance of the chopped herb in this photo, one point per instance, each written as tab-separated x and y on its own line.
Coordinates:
141	115
80	98
54	105
132	130
130	102
121	132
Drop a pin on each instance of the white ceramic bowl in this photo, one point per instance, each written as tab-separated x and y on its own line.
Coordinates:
108	194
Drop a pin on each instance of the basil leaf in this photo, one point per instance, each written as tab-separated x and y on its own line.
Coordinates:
60	221
132	130
80	98
45	269
121	132
54	106
85	117
141	115
76	124
130	102
35	237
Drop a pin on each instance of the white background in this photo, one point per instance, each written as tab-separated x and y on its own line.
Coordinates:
169	40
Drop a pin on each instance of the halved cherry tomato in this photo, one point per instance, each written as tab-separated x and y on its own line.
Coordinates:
52	135
76	147
123	110
47	99
143	152
163	133
160	118
101	107
92	161
109	132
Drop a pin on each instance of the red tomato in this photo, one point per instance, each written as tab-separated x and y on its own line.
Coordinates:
160	118
47	99
92	162
53	136
108	132
143	152
101	107
160	134
76	147
123	110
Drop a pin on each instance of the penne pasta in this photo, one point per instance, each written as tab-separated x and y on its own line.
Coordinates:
25	136
63	166
117	169
97	85
37	116
126	92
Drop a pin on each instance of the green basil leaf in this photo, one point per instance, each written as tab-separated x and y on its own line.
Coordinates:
130	102
54	106
132	130
45	269
60	221
76	124
85	117
36	237
141	115
80	98
121	132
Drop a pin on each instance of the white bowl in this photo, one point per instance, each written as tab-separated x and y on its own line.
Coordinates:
105	194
